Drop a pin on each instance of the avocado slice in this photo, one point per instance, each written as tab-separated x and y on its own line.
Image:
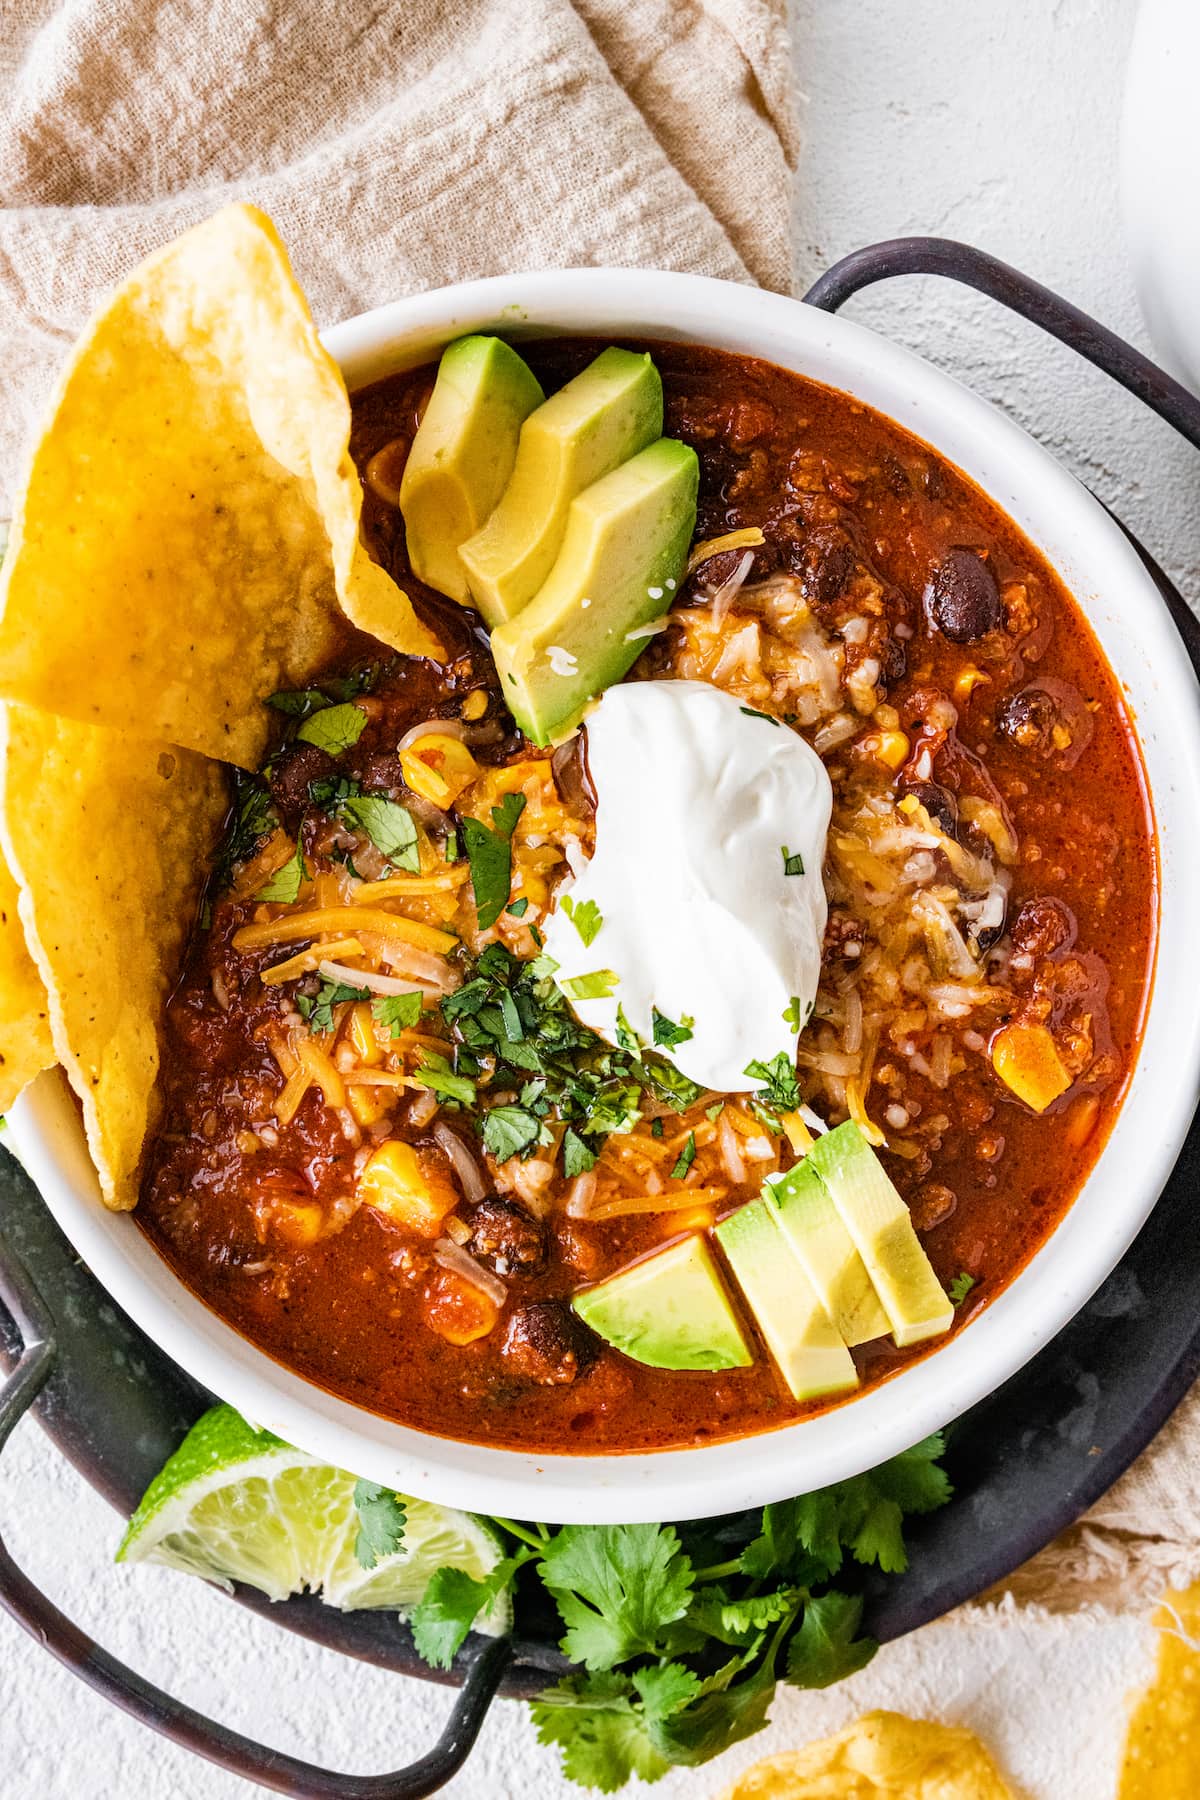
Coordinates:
463	455
669	1312
622	558
814	1229
812	1357
878	1220
593	424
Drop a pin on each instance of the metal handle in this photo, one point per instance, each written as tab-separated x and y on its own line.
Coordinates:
999	281
125	1688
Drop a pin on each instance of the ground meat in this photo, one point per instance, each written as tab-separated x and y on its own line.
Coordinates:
507	1238
932	1205
546	1344
824	560
962	597
289	775
1027	719
1041	927
382	774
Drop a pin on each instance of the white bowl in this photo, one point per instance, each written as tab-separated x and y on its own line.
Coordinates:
1132	623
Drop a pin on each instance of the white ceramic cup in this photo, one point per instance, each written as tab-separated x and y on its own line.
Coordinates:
1132	623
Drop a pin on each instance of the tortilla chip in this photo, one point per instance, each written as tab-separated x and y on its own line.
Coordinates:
190	520
1162	1746
110	838
26	1047
882	1756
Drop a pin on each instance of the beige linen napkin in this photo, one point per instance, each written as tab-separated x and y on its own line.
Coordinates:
402	146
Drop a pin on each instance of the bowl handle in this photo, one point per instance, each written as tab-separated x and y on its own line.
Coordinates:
125	1688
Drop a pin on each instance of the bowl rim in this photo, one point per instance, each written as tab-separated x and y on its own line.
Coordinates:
1133	625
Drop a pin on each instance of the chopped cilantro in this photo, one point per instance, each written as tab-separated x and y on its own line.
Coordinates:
284	885
656	1128
489	851
436	1074
518	908
577	1158
390	828
399	1011
793	862
752	712
329	793
780	1089
334	728
715	1110
318	1009
507	1130
667	1033
536	935
253	816
792	1011
600	984
584	915
685	1159
298	703
626	1035
960	1287
381	1521
451	851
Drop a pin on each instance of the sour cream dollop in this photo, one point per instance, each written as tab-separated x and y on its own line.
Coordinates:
701	809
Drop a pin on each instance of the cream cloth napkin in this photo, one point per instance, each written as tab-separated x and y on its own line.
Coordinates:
402	146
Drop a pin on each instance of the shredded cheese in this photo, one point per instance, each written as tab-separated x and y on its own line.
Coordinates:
305	961
294	926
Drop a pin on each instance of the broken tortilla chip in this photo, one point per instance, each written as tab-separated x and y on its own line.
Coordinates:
187	540
109	837
26	1047
1162	1746
882	1756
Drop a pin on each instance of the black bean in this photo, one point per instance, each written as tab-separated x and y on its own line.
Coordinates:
938	802
962	597
507	1238
289	775
824	561
546	1344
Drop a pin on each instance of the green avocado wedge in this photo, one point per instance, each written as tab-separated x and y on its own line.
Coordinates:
818	1236
609	412
622	558
876	1217
462	455
811	1356
669	1312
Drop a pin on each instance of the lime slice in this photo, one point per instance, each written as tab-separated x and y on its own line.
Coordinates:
236	1504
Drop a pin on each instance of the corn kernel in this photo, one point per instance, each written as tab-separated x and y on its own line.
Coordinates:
396	1184
967	680
888	747
438	767
298	1223
1026	1059
458	1311
475	705
370	1104
362	1034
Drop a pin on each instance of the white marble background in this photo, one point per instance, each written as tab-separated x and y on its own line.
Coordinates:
990	120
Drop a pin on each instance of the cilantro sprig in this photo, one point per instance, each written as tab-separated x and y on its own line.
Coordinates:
489	853
681	1633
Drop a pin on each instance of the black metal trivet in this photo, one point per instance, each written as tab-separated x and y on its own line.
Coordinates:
1026	1462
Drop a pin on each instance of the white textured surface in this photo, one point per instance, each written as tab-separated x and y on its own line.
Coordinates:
994	123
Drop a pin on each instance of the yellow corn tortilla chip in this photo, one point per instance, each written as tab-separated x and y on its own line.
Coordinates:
109	837
882	1756
26	1047
1162	1747
190	520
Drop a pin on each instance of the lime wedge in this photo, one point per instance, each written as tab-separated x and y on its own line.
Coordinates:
236	1504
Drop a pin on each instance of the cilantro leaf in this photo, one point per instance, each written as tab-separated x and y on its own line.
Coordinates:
577	1158
381	1521
284	885
317	1009
507	1130
391	828
792	1013
333	728
489	853
671	1084
449	1607
664	1688
584	915
667	1033
450	847
627	1036
252	818
793	862
780	1089
329	793
600	984
298	703
685	1159
518	908
960	1287
616	1587
436	1074
399	1011
599	1731
826	1648
720	1717
752	712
